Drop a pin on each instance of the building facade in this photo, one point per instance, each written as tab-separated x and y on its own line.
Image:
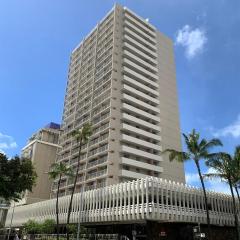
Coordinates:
41	149
141	200
122	80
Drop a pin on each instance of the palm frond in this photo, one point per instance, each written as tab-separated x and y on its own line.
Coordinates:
212	143
177	155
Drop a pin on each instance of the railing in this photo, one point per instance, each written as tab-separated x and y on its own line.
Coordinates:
96	174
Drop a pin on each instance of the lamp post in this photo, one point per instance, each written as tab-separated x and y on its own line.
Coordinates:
10	226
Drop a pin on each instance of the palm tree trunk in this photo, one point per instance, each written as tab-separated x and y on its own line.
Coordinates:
57	210
234	209
74	186
205	199
236	189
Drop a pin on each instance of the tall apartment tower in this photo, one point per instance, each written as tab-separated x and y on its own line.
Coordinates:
122	80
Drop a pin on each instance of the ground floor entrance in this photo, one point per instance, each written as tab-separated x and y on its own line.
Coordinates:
152	230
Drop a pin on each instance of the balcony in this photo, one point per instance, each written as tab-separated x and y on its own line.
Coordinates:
138	85
139	53
139	61
131	174
137	111
141	70
141	153
140	77
97	162
141	35
139	121
141	24
139	46
96	174
138	164
138	93
140	103
139	131
140	142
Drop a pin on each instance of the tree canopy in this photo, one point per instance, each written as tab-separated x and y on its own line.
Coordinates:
16	176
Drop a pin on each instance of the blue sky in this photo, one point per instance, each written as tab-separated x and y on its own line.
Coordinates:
37	37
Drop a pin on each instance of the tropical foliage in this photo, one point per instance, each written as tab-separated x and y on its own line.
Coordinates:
81	137
34	227
227	168
16	176
58	170
196	149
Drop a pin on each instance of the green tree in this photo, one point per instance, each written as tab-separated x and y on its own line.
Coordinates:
16	176
82	136
32	227
48	226
224	165
58	170
236	171
197	149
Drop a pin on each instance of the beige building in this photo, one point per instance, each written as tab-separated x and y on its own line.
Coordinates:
122	80
41	149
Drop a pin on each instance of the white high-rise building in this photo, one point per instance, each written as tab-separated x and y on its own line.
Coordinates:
122	80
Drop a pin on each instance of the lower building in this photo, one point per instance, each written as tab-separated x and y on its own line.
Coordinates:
138	201
42	150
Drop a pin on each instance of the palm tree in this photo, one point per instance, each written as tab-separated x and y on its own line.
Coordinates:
82	136
236	171
197	149
58	170
224	165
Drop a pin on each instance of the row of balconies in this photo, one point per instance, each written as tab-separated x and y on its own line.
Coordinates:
101	118
136	112
102	65
99	139
140	104
125	137
139	53
138	130
144	71
139	94
98	150
101	88
97	162
141	153
103	55
106	22
100	129
141	35
101	108
104	47
101	98
136	120
96	174
105	38
107	75
139	77
139	61
105	70
141	165
141	23
140	87
129	41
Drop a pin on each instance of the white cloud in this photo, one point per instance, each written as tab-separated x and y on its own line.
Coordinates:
214	184
232	130
193	40
6	142
217	184
192	178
